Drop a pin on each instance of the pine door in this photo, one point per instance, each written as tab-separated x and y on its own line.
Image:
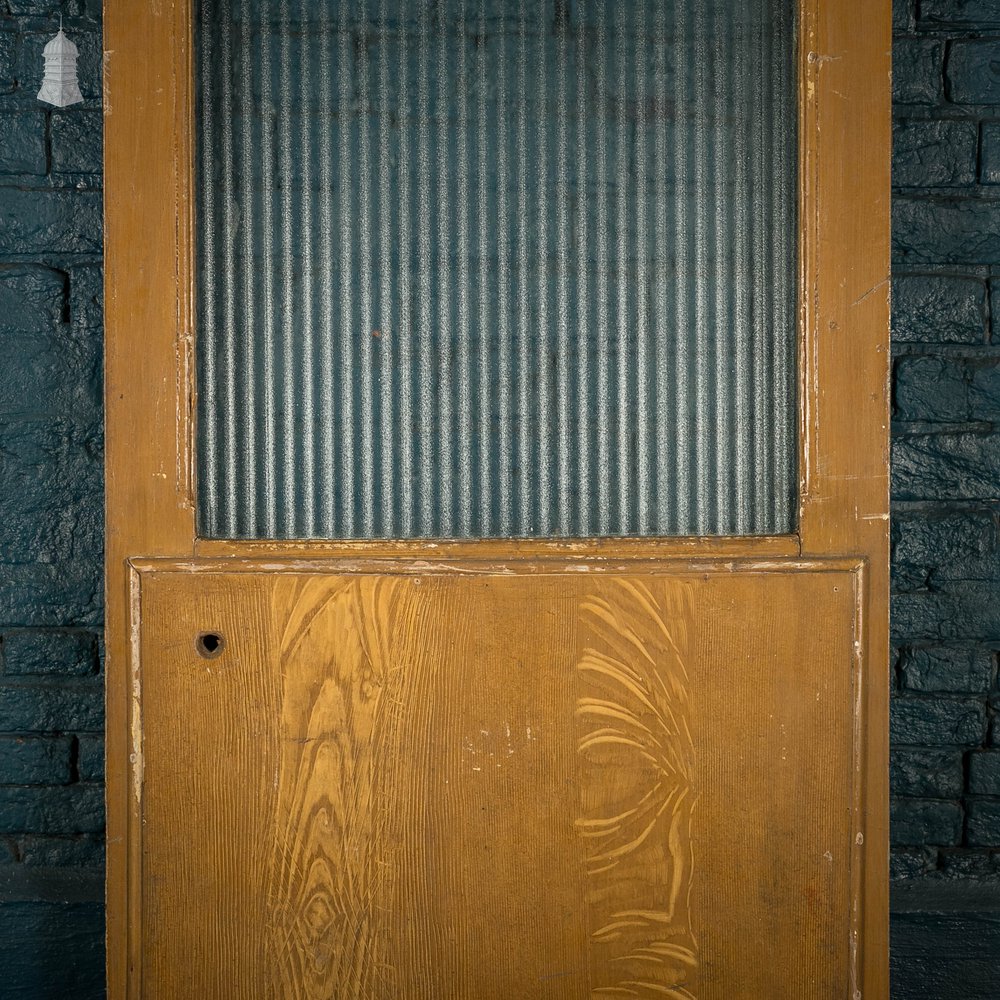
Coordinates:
497	508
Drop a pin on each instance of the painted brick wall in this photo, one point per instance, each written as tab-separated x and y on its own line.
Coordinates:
946	497
51	703
946	448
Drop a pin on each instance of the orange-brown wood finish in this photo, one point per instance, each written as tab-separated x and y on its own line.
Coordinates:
844	373
269	797
443	784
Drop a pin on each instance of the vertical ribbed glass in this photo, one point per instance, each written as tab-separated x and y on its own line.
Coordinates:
493	269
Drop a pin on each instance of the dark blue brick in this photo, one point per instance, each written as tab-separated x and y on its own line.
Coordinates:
8	59
973	864
908	577
931	389
70	652
953	546
52	950
936	722
971	13
934	153
50	222
970	613
53	452
53	376
941	231
984	772
87	297
983	824
70	592
917	71
46	708
64	809
947	669
973	71
948	955
77	145
50	492
90	762
938	309
931	773
22	143
89	10
911	862
946	467
925	821
32	300
35	760
77	851
984	391
902	16
29	7
989	165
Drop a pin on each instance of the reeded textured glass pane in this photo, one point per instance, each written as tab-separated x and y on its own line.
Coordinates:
496	269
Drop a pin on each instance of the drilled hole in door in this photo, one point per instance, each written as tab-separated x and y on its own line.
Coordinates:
210	645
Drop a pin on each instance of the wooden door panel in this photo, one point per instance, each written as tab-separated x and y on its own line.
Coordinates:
547	783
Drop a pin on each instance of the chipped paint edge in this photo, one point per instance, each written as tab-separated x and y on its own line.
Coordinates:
388	566
135	676
135	777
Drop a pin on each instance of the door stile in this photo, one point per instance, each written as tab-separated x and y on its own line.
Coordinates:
845	70
148	331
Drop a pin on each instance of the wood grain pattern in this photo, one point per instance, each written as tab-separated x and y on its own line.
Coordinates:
845	203
325	880
539	785
843	400
638	831
147	377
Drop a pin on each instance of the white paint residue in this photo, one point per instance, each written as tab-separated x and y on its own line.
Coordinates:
105	86
135	757
500	743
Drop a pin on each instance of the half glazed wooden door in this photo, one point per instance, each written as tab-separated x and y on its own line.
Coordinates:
497	513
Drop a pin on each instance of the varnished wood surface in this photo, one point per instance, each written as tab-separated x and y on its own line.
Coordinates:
443	786
501	550
843	400
845	136
147	380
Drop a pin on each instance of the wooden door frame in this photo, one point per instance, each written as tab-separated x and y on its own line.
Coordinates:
844	210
